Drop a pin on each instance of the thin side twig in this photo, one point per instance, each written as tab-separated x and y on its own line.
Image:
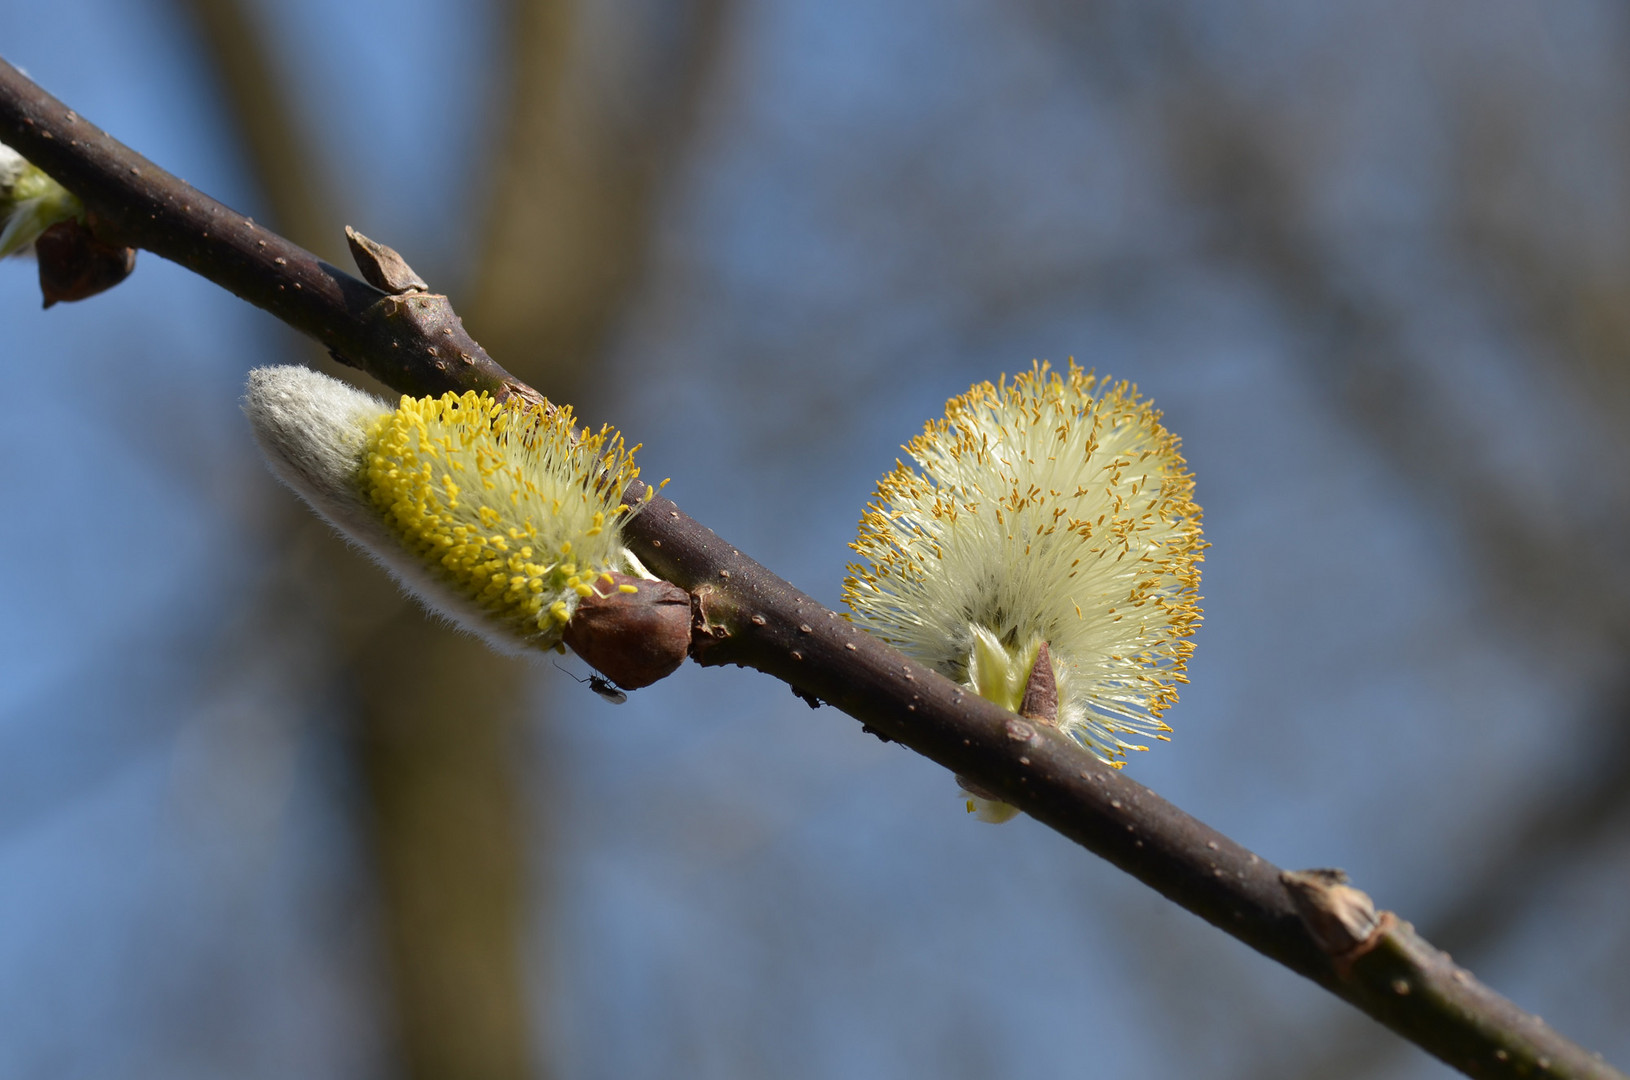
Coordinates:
1312	923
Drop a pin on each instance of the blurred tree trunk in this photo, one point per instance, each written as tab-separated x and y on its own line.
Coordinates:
437	720
462	861
434	714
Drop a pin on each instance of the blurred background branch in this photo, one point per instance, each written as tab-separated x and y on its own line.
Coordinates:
435	716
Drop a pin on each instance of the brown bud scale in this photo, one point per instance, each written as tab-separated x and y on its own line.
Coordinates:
634	638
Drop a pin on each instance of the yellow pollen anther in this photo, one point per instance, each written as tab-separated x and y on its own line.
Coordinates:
545	486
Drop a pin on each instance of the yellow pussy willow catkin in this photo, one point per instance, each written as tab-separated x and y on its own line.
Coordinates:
504	504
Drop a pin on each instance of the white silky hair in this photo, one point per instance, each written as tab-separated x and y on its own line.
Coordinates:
313	431
12	166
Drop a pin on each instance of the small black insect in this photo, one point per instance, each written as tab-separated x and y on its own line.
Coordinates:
604	687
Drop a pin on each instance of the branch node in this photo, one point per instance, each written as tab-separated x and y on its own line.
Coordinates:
708	622
1342	919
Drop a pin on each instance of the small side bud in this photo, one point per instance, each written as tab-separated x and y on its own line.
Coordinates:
74	264
1041	690
633	638
382	267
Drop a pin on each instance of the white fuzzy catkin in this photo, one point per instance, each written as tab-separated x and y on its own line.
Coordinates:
1046	509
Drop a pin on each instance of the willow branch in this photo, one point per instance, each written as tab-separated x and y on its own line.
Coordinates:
1311	922
413	342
